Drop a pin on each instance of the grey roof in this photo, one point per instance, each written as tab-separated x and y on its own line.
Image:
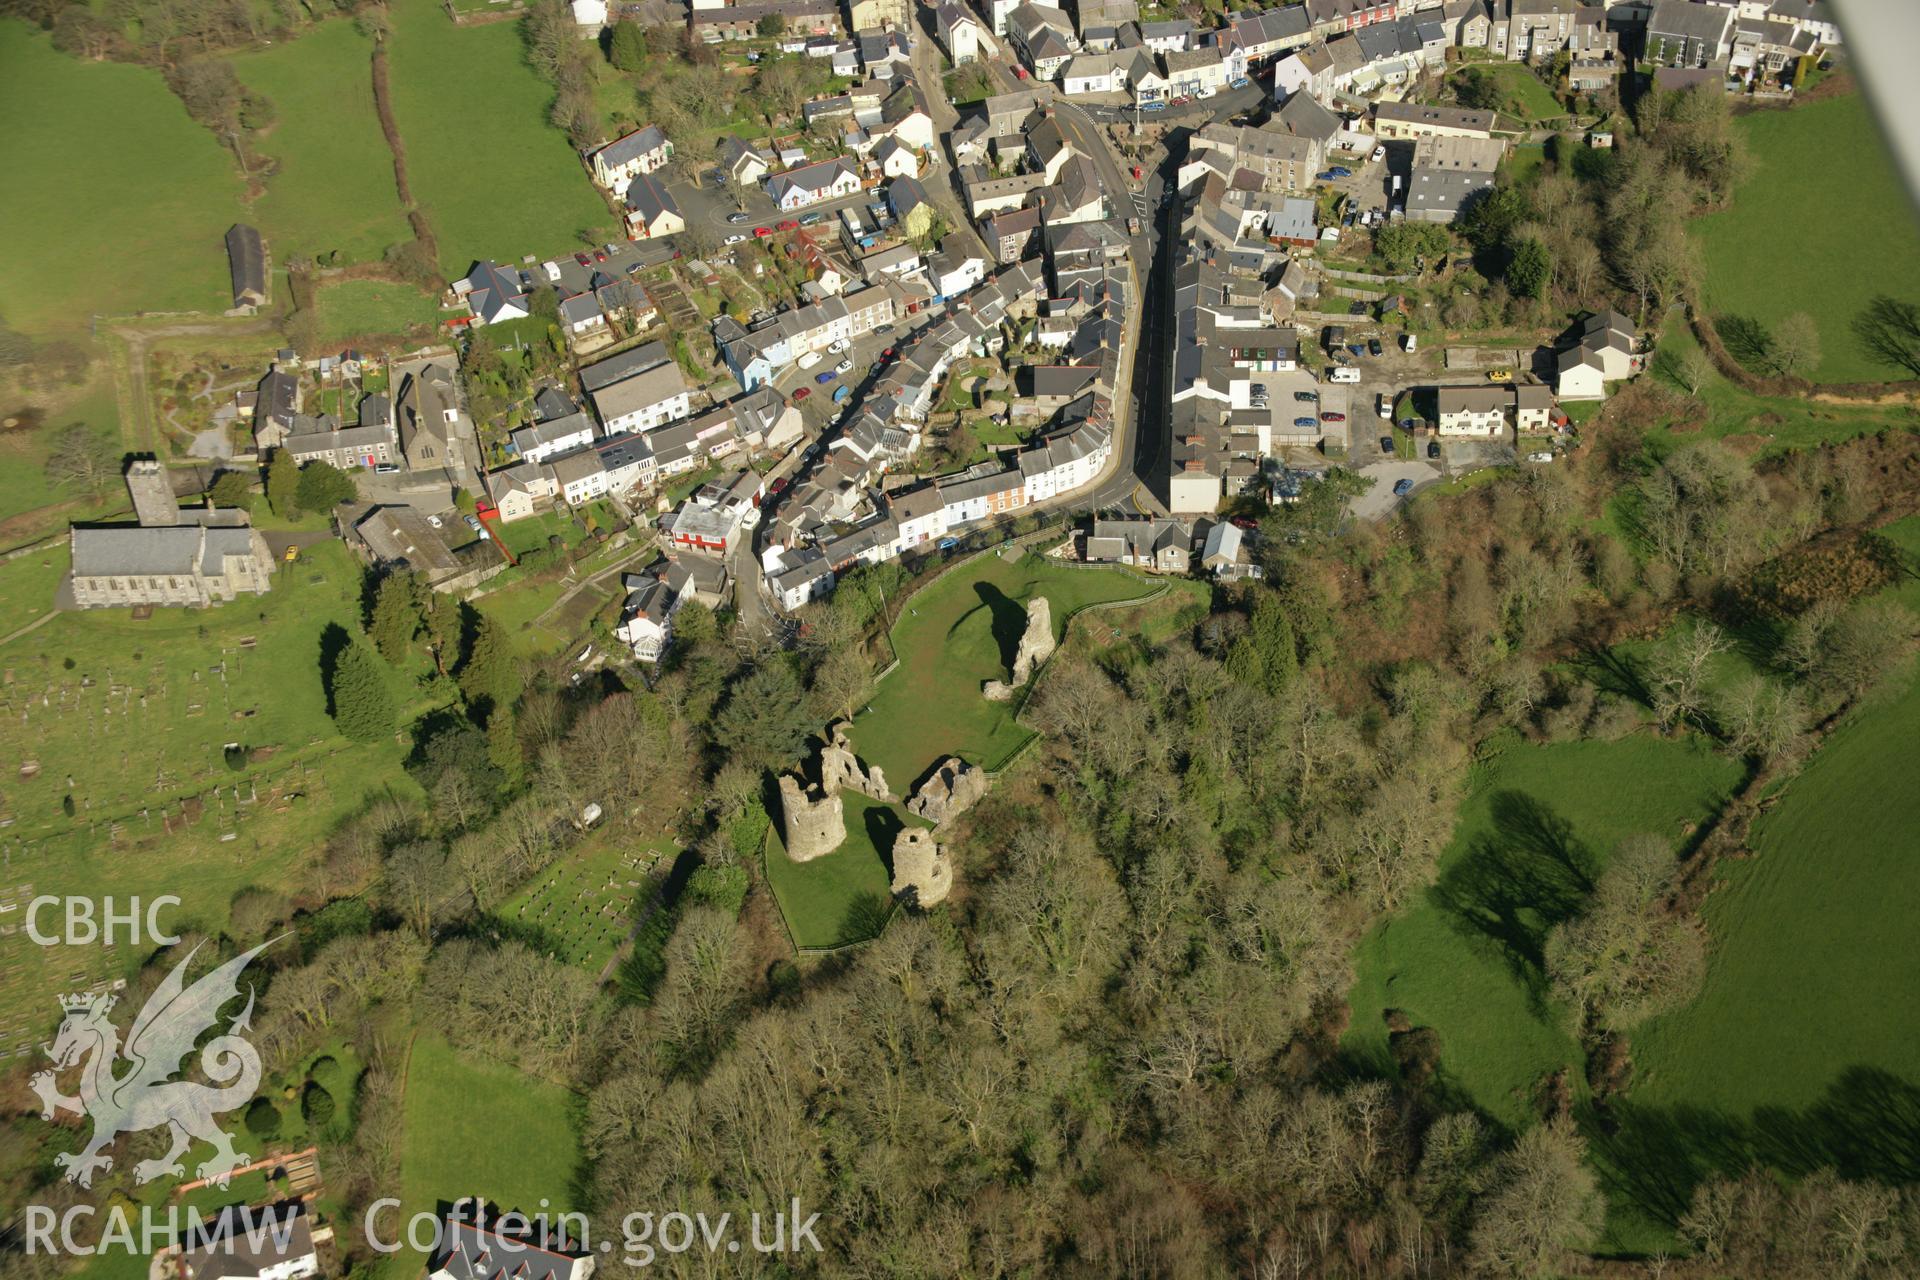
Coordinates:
582	306
493	289
241	1241
1684	19
550	429
133	550
279	394
632	147
1303	117
376	410
400	534
644	390
648	197
1444	191
552	402
246	264
473	1251
624	365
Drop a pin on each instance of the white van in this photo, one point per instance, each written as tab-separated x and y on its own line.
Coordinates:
1343	373
809	360
1385	401
1409	343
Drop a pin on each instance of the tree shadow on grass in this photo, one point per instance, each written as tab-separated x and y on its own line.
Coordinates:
1866	1128
1747	340
1009	620
1611	671
865	917
1516	884
333	642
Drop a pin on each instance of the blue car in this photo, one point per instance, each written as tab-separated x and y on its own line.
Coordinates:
1401	488
824	378
1306	422
1341	171
1154	106
1241	83
1325	175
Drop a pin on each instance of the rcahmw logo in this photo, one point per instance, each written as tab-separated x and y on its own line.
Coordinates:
145	1095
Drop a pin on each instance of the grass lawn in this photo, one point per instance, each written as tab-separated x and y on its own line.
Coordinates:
1825	212
334	188
480	1129
1523	93
951	637
138	722
520	192
23	454
75	243
1771	424
354	309
1465	958
584	904
844	896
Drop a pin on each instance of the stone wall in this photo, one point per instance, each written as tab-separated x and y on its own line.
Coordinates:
950	790
1036	646
839	767
812	822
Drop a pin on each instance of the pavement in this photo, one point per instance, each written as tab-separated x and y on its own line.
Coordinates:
1380	500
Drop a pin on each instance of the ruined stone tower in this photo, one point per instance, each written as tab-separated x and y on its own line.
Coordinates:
839	767
812	821
153	502
1036	646
922	872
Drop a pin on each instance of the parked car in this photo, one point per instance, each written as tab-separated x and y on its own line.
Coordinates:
883	328
1401	488
763	232
434	521
1240	83
582	259
1542	456
1499	375
385	468
1357	348
1379	154
1409	343
1340	171
809	360
1019	72
1408	424
1325	175
1386	406
825	377
1374	348
473	523
1433	448
843	366
789	224
1343	373
813	219
1305	422
1181	99
737	218
801	393
1306	397
736	238
840	393
1153	106
1386	444
1335	417
838	345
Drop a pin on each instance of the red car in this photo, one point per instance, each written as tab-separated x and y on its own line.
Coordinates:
763	232
1182	100
599	255
582	259
803	393
1019	72
789	225
1333	417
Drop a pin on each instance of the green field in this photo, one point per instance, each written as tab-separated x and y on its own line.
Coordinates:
113	200
1774	424
23	454
1465	959
333	188
1821	225
951	637
1801	1049
355	309
585	903
495	178
844	896
479	1129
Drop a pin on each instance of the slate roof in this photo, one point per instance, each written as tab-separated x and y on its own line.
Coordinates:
635	145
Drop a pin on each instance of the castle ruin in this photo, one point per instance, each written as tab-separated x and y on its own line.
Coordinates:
950	790
922	871
839	767
1036	646
812	821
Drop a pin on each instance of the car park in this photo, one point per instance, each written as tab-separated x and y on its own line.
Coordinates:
1401	488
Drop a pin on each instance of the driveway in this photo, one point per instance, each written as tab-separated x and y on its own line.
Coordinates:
1380	500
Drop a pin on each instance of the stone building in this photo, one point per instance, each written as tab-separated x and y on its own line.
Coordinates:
922	871
171	557
812	821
